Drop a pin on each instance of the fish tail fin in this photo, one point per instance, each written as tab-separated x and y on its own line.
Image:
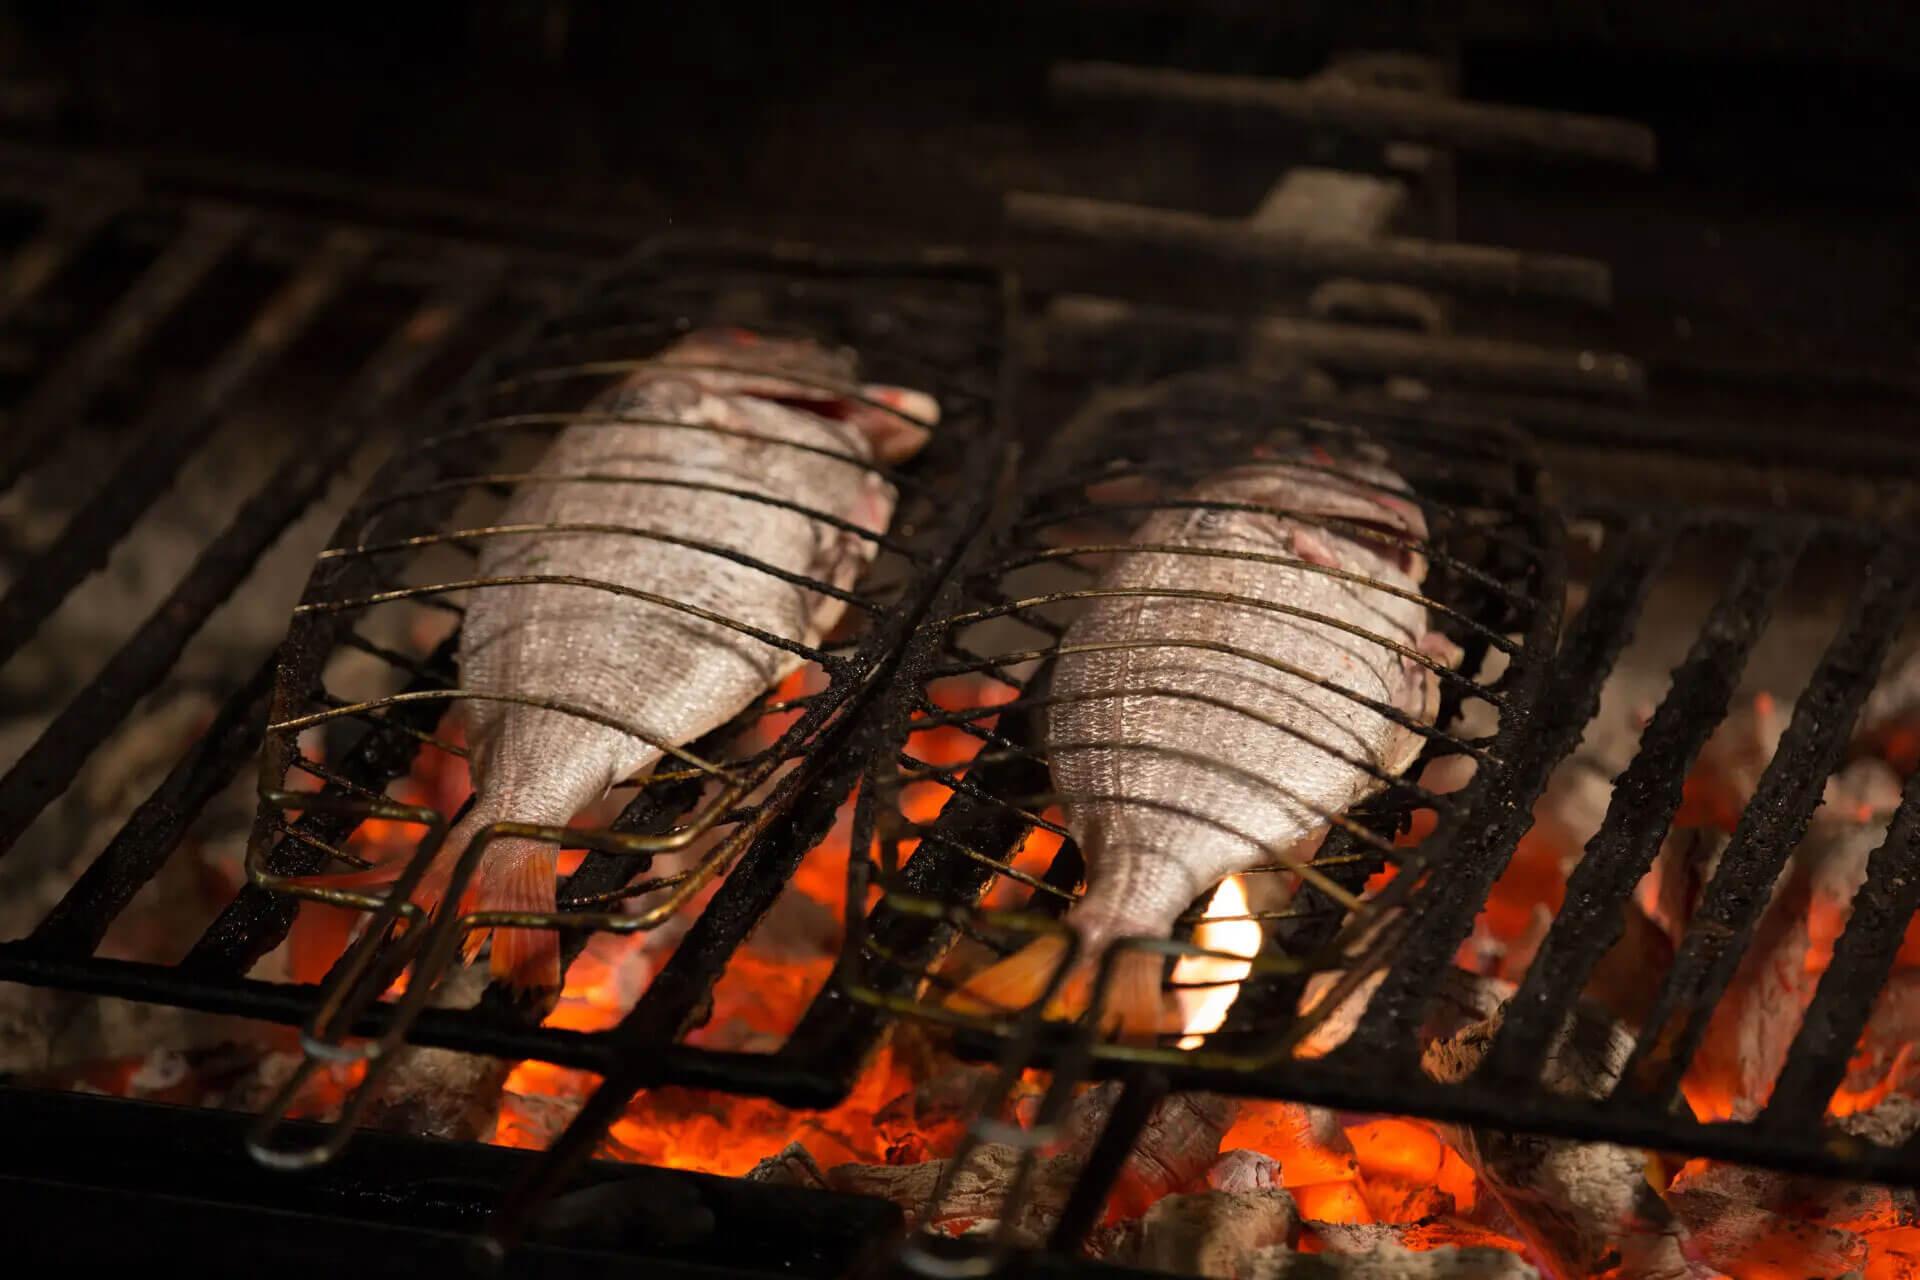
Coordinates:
1015	982
525	959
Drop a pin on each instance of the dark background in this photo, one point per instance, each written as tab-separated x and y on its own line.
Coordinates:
1770	259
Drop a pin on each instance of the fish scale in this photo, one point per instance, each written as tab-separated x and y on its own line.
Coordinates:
782	421
1179	758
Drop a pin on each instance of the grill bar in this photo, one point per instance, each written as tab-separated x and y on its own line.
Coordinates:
1244	246
838	1033
1334	102
1139	1095
182	1180
673	999
83	915
1771	825
48	767
64	393
1114	335
166	444
1388	1029
69	228
1646	796
256	921
1862	958
1319	1083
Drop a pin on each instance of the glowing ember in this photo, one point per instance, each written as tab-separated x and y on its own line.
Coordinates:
1206	985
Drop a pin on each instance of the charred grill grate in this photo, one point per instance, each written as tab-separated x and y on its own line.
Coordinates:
181	243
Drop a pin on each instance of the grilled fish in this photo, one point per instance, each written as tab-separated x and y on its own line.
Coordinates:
1197	726
685	450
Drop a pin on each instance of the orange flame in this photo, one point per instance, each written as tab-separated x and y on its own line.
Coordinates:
1204	1007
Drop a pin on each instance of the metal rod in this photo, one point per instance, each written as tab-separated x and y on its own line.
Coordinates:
83	915
1236	244
1645	797
1333	102
1773	822
1862	958
257	920
165	445
1104	329
49	766
1568	700
1141	1092
70	226
837	1033
66	391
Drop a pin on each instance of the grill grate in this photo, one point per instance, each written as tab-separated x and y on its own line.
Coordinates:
1507	585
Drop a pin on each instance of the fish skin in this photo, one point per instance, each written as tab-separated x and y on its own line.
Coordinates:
669	674
1199	791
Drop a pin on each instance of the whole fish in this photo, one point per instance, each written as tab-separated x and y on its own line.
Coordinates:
1183	740
787	421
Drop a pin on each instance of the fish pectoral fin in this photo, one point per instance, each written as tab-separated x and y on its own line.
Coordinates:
1133	1008
1437	646
899	421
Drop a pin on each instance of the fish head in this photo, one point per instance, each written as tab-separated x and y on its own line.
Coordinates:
1310	481
804	374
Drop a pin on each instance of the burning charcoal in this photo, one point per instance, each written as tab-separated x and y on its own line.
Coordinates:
1243	1171
438	1093
1889	1124
1626	979
1179	1141
1583	1207
793	1167
1391	1261
1463	998
1754	1024
1846	1206
1738	1237
945	1097
1211	1233
976	1196
1679	875
1885	1058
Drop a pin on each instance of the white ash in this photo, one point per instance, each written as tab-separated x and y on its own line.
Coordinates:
1208	1233
1885	1053
1463	998
977	1193
1240	1171
1753	1026
1583	1207
1846	1206
1732	1235
1392	1261
1888	1123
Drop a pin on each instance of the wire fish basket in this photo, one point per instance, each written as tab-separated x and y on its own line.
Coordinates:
370	680
974	852
971	844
